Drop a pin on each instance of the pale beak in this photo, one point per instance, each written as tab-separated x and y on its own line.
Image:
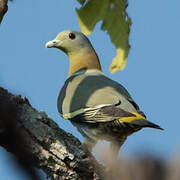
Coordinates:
52	43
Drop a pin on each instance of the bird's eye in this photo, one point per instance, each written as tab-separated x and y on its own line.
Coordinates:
72	36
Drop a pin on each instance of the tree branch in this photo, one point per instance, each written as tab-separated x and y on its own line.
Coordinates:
3	8
37	140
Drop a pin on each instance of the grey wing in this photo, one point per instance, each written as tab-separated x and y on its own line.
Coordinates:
104	113
83	92
115	116
112	93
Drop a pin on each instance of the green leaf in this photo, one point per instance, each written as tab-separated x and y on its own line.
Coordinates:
115	21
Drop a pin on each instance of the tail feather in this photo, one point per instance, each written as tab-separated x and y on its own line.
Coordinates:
145	123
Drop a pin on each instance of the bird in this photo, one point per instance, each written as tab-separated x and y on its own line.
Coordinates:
99	107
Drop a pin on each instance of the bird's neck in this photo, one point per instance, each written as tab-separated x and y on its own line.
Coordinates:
83	61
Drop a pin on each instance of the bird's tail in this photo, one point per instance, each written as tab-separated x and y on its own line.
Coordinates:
145	123
139	121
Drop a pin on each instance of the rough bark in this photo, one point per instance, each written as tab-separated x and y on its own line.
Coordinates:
3	8
37	141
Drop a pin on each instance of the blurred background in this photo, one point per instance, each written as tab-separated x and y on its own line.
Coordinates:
151	75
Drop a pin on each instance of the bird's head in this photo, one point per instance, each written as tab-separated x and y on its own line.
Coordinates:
71	42
79	49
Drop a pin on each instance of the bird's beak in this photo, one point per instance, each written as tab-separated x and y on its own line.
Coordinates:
52	43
